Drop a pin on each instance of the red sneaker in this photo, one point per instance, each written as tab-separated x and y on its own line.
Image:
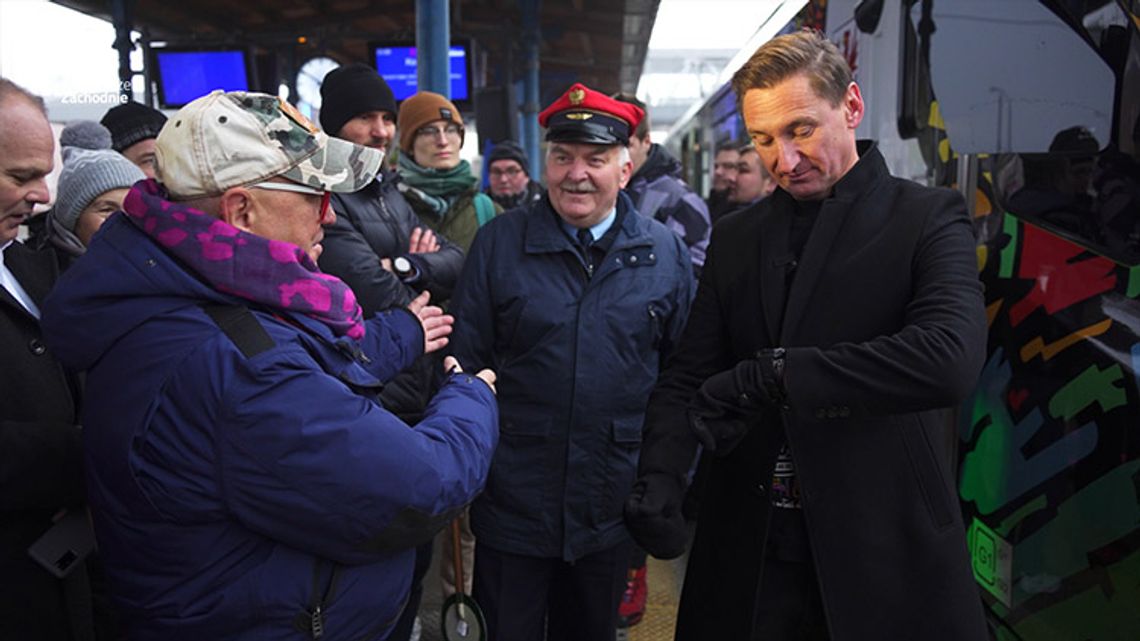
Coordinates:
632	605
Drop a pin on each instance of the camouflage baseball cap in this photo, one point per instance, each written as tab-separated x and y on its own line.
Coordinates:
225	140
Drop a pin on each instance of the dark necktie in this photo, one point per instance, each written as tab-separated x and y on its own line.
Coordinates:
586	239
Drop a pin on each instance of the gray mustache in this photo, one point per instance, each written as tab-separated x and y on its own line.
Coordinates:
583	186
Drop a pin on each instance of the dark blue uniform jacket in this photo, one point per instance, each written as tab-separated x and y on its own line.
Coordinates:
576	358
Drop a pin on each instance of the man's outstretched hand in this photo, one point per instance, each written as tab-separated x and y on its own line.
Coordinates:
451	366
436	324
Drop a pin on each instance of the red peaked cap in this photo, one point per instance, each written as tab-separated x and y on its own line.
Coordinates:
587	116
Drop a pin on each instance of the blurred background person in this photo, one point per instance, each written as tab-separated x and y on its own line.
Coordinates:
134	126
659	193
437	182
751	182
92	185
509	182
724	170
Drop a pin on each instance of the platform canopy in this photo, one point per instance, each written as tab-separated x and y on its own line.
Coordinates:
602	43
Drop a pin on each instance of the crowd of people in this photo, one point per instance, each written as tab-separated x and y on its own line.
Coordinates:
254	370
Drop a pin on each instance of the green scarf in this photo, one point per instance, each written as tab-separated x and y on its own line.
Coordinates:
441	183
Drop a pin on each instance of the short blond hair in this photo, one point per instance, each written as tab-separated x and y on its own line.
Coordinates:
804	52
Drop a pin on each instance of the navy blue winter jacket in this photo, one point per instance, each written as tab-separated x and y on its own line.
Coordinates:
232	496
576	359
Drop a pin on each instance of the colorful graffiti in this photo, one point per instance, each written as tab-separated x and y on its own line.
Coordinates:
1050	440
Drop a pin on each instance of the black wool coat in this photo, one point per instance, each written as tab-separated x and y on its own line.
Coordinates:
884	330
41	462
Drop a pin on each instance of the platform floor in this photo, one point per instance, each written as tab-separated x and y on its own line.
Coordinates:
665	579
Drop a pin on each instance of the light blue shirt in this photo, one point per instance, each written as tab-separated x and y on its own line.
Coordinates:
597	231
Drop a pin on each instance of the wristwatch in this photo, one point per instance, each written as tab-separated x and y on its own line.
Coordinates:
403	267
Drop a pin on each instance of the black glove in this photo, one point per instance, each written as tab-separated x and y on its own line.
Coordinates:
728	403
653	515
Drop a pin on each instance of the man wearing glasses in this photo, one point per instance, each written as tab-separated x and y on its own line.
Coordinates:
510	184
437	182
244	481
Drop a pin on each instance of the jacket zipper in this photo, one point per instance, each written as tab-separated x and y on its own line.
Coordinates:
317	605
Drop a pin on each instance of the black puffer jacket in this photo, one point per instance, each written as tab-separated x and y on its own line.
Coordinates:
373	223
376	222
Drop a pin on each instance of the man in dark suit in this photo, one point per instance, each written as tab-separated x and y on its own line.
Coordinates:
835	323
41	473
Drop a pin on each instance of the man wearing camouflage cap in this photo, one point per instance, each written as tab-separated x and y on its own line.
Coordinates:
244	482
577	300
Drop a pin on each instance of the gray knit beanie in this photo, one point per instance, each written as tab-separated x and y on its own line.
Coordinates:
90	168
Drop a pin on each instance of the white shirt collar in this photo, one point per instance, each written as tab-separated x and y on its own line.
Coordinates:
8	282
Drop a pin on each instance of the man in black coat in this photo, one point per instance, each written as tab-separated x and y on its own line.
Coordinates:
41	469
835	323
377	244
379	248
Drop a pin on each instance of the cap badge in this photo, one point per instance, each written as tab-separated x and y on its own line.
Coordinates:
580	115
291	113
445	113
577	96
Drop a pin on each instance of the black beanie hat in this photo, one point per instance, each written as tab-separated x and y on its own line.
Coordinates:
132	122
351	90
509	150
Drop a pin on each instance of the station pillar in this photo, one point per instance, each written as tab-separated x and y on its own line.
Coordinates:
531	39
433	39
121	18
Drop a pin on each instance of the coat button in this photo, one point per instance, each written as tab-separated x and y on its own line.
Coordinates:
37	347
761	488
633	259
150	262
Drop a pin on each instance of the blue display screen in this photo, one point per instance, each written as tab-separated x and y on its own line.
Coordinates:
398	67
187	75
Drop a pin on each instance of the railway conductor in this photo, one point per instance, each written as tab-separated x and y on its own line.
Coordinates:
576	299
835	323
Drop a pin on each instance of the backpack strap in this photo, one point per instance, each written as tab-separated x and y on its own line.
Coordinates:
484	208
243	328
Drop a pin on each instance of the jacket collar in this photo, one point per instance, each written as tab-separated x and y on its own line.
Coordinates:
784	307
544	235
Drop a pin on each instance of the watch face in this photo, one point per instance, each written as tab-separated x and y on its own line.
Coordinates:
402	265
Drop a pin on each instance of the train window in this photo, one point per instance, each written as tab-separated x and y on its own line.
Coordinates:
1081	187
1010	76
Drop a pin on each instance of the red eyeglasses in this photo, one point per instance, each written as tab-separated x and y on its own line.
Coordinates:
297	188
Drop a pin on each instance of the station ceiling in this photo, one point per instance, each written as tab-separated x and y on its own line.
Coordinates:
601	43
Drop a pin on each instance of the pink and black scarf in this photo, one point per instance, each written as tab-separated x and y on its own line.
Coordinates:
273	273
